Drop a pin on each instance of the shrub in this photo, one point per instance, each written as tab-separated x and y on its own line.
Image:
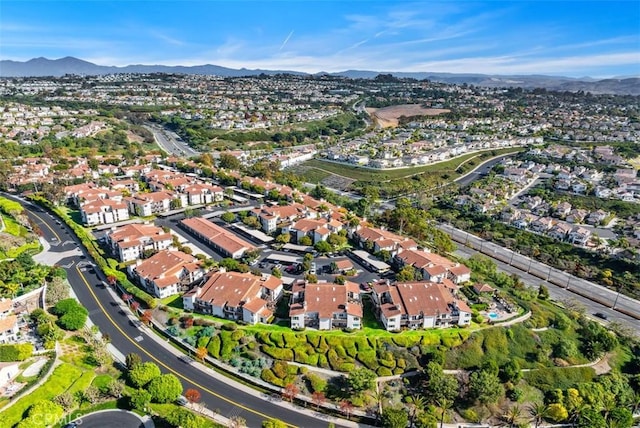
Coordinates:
280	369
368	359
268	376
231	326
547	379
277	339
165	388
214	347
42	412
143	373
18	352
322	361
316	383
278	353
383	371
264	337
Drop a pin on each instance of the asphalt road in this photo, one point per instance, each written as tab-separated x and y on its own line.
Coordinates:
480	171
111	419
171	142
561	285
111	317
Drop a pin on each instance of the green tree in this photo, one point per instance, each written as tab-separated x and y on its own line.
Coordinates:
186	419
165	388
283	238
228	217
140	399
229	161
361	379
620	418
143	373
438	385
485	387
408	273
510	372
394	418
591	418
132	360
276	272
323	247
305	240
543	292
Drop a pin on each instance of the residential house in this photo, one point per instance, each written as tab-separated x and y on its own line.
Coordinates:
326	306
560	231
237	296
379	239
8	322
317	230
8	371
542	224
148	204
272	216
579	236
597	217
577	215
103	211
416	305
562	209
202	193
129	242
167	273
222	240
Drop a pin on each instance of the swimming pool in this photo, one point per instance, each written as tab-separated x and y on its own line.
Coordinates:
493	315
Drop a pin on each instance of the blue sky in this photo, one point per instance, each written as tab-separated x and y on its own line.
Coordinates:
571	38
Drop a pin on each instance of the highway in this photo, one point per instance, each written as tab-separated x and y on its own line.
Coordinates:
112	318
170	142
562	285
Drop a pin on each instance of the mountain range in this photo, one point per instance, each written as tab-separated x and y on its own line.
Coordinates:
39	67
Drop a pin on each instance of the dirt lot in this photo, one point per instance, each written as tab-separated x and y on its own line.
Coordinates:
387	117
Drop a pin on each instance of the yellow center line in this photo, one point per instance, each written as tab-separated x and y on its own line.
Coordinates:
215	394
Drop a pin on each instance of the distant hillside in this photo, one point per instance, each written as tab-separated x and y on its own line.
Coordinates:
69	65
39	67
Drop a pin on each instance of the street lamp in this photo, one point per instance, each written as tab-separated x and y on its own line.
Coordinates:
617	296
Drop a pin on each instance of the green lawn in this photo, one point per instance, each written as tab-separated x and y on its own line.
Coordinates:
14	228
174	301
62	379
365	174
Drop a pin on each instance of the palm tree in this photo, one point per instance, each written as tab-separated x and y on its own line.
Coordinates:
444	405
512	415
538	412
416	404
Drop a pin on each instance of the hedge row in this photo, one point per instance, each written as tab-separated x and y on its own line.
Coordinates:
107	266
385	356
18	352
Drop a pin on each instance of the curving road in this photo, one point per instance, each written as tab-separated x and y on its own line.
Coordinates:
112	319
